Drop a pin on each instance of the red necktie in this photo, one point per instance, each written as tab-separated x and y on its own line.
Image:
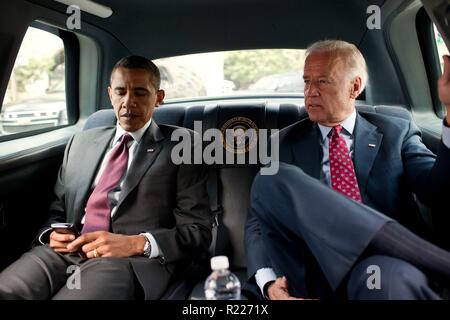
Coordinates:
343	177
98	211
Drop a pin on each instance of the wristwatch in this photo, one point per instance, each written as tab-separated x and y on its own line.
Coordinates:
147	248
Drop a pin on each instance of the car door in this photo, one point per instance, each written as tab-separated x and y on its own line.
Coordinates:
32	141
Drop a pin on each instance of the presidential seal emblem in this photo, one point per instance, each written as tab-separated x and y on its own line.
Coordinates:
239	135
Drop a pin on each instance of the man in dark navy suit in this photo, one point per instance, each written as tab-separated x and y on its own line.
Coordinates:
345	179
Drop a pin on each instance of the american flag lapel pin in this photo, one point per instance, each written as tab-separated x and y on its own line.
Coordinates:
150	150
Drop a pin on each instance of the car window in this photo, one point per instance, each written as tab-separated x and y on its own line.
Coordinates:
233	73
35	97
442	49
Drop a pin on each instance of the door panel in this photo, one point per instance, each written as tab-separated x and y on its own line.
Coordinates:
26	189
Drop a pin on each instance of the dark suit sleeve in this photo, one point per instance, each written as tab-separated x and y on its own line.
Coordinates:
257	257
256	254
428	175
192	233
254	247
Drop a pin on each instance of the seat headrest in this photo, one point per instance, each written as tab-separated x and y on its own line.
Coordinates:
100	118
396	111
162	115
179	116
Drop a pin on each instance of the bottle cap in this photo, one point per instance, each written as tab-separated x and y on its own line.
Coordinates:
219	262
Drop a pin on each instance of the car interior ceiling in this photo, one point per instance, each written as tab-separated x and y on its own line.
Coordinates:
161	28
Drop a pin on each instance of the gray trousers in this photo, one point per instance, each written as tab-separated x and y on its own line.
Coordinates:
43	273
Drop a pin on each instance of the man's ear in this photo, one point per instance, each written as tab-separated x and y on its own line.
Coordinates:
110	92
356	87
160	94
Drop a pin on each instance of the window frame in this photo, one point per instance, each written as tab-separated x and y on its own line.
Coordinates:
72	55
427	40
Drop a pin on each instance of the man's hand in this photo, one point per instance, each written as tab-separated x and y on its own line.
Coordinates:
106	244
444	87
59	242
278	290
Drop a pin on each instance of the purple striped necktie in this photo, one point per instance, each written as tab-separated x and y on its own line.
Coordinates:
98	211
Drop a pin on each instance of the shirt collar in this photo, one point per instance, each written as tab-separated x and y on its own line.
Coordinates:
137	135
348	124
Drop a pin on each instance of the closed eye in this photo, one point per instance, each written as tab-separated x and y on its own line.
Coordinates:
141	92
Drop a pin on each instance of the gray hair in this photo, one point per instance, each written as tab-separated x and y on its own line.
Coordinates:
353	59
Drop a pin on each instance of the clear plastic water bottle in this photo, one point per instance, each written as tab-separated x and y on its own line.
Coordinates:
222	284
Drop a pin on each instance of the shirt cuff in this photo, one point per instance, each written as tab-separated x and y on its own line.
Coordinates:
263	276
154	248
446	135
44	233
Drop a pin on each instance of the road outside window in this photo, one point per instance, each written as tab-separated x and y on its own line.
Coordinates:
35	97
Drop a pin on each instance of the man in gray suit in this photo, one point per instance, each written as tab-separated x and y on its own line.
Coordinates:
310	240
136	229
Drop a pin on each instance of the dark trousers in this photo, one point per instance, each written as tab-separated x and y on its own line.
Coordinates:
388	278
315	237
43	273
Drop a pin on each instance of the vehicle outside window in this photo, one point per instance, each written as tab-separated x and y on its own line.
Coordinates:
233	73
35	97
282	82
180	82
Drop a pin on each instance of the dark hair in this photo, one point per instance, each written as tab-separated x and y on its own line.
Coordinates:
139	62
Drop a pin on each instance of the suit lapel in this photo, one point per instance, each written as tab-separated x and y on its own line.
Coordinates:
148	149
367	144
91	163
307	151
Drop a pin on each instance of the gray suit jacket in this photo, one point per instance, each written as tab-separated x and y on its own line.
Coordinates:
168	200
391	165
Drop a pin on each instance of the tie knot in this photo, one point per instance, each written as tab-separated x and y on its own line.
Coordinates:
126	138
337	129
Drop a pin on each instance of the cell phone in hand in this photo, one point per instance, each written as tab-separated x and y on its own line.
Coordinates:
66	228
